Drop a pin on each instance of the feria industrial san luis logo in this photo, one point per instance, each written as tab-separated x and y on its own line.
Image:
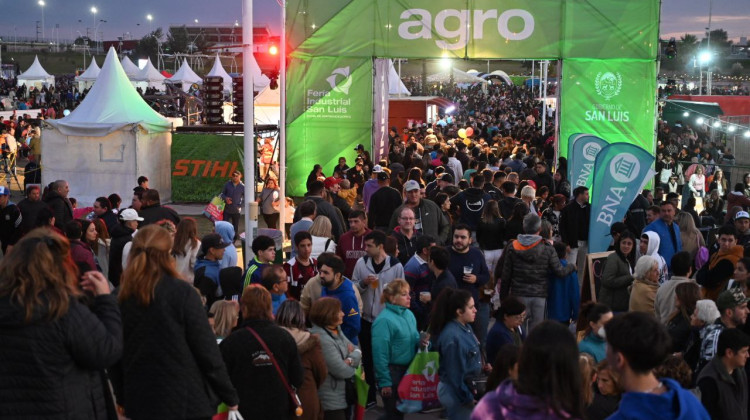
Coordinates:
331	103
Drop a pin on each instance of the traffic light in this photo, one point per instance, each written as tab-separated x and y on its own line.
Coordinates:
671	50
238	98
213	99
273	50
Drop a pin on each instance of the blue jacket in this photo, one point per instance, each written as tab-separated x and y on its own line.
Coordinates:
474	258
212	270
420	279
498	336
563	297
676	403
667	248
252	274
276	301
226	231
236	193
394	341
350	306
459	358
594	345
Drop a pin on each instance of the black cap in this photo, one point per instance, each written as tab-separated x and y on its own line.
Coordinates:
212	240
617	227
383	176
359	146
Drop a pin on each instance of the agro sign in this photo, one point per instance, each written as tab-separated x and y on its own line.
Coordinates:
458	21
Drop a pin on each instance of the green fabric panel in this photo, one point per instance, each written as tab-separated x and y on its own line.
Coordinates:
192	154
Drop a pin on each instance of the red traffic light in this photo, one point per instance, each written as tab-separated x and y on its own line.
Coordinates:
273	50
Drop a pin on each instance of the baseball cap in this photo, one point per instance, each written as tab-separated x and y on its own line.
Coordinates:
729	299
383	176
212	240
4	191
446	177
742	215
330	182
411	185
377	169
130	215
359	146
617	227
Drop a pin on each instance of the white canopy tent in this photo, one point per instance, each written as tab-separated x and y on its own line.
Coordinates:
260	81
131	70
395	86
35	76
459	76
149	77
268	106
218	70
109	140
186	76
87	78
503	75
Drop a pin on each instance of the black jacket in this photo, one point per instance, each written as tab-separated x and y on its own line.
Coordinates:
29	211
51	370
574	223
383	203
61	208
171	366
154	213
262	394
326	209
120	236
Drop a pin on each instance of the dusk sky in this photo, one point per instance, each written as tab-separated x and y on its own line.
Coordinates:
129	16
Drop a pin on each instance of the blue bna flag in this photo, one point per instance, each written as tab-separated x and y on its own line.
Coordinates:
583	152
620	172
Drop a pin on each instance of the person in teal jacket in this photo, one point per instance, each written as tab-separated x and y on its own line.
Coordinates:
394	343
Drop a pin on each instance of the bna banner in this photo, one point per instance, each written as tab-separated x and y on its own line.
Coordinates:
583	153
620	172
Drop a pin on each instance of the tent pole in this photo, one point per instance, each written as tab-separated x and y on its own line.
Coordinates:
251	207
544	106
282	125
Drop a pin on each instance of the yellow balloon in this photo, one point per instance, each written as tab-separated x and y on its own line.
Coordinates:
462	133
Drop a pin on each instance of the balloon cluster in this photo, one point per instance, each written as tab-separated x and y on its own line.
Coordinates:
465	132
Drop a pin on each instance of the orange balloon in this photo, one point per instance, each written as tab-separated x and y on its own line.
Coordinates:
469	132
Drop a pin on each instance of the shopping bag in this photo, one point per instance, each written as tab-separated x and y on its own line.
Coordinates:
362	390
223	413
418	388
215	209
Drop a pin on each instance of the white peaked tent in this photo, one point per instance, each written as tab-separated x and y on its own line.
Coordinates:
218	70
36	76
260	80
268	106
131	70
87	78
395	86
149	77
109	140
186	76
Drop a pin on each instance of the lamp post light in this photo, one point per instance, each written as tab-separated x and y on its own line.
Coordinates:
41	3
150	19
94	11
703	59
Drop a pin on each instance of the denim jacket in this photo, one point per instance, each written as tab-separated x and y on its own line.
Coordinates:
460	358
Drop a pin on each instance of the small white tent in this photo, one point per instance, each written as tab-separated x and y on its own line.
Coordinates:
109	140
149	77
218	70
395	86
186	76
36	76
87	78
131	70
503	75
268	106
260	80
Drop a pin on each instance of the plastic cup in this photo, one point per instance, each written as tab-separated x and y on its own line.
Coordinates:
424	295
468	269
375	283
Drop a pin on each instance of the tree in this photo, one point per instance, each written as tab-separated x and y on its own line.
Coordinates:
148	46
177	40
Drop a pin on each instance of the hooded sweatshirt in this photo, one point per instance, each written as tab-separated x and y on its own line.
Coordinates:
653	250
506	403
528	264
226	231
675	404
371	296
212	271
470	205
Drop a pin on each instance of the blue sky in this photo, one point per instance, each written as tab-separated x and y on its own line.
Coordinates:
129	16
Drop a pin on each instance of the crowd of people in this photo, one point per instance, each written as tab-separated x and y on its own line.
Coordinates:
472	246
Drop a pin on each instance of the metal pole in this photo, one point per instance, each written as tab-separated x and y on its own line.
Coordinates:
708	48
533	71
544	107
399	78
700	78
248	117
282	124
541	66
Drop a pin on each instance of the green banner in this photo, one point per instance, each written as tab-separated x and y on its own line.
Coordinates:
611	99
201	165
329	110
514	29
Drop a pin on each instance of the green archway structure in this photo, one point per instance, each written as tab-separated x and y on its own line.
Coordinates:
608	50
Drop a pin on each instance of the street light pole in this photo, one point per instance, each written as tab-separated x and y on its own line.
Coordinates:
248	117
708	47
93	23
42	4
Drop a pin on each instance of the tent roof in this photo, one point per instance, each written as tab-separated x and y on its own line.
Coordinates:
218	70
91	73
131	70
36	71
395	85
149	73
459	76
185	74
112	104
260	80
268	97
503	75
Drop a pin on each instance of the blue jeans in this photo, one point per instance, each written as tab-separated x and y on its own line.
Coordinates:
453	407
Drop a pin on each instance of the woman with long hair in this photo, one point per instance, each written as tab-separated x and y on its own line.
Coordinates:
54	345
444	202
490	233
322	236
460	353
617	275
678	326
80	250
549	380
166	331
185	248
101	245
692	239
697	182
713	206
607	393
259	385
225	315
719	183
596	315
291	317
269	203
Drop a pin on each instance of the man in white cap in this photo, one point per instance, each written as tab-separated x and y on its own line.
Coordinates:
428	218
371	186
121	234
742	223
